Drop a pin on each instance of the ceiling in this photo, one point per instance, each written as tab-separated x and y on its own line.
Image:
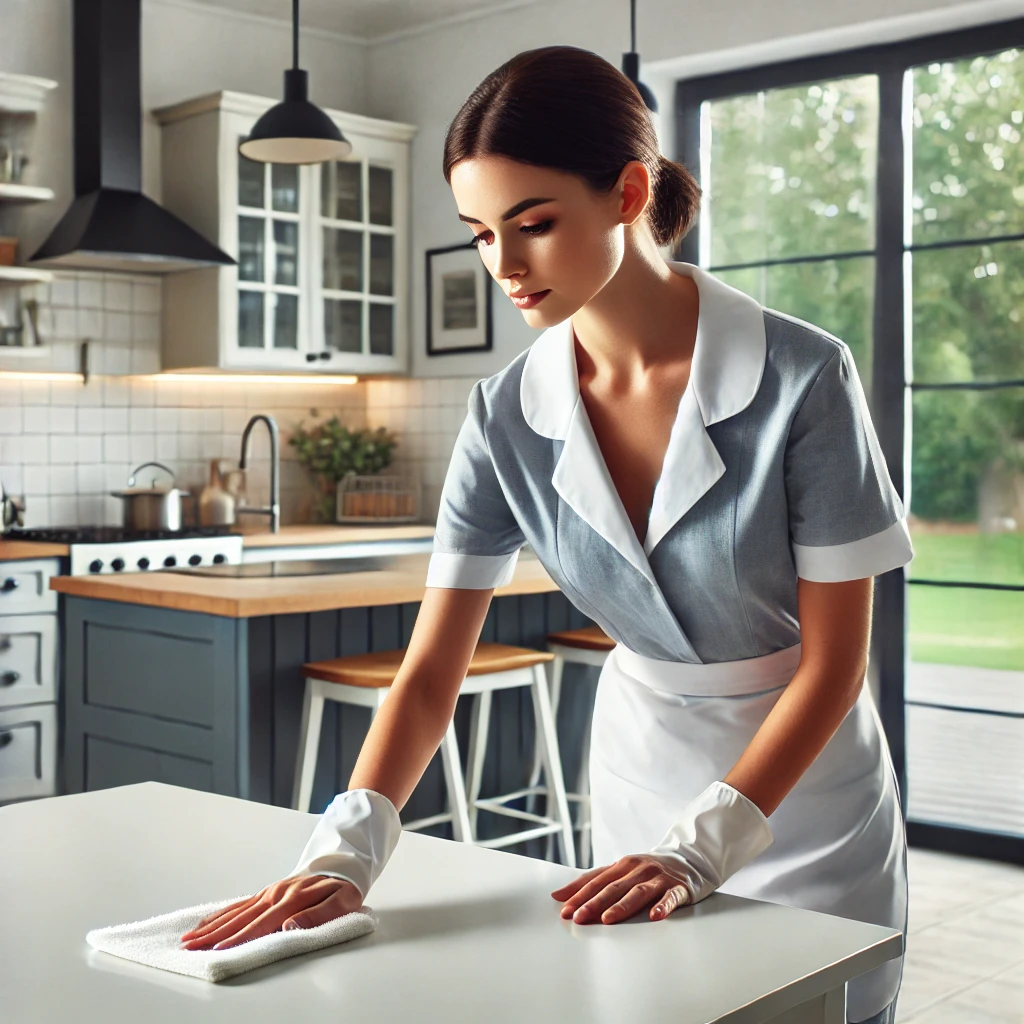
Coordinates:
366	19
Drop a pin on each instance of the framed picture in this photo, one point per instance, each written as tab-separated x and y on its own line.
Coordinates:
458	301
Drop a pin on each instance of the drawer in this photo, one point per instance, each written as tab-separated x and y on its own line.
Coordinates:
25	586
28	751
28	659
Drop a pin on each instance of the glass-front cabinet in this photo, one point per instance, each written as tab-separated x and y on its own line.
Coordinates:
321	282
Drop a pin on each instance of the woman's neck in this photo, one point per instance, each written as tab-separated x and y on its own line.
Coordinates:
643	319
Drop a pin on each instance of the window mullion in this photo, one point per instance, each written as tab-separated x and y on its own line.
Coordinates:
889	398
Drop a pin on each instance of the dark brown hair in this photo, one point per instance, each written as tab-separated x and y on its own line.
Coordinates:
571	110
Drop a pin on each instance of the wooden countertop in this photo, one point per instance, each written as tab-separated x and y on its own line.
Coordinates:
284	595
311	534
19	550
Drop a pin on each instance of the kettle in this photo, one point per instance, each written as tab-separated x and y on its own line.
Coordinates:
12	511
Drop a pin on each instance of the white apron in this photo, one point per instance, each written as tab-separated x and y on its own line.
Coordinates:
663	731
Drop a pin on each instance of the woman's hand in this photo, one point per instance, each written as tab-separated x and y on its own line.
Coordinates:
615	893
296	902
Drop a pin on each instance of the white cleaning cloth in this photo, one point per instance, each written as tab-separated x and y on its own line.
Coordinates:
156	942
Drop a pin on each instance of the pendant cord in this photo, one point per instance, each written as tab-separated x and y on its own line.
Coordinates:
295	34
632	24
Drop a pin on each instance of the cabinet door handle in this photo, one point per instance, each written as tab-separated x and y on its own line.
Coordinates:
5	738
5	643
10	584
9	678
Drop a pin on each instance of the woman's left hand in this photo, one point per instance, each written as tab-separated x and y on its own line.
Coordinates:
617	892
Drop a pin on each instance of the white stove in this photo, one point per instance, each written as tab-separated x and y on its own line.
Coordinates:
102	550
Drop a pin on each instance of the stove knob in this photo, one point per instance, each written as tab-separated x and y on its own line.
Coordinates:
143	563
170	560
194	559
219	559
117	564
95	565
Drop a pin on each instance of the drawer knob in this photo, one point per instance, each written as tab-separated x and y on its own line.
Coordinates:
5	738
10	584
9	678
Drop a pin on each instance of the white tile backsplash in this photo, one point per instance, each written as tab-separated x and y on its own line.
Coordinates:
65	444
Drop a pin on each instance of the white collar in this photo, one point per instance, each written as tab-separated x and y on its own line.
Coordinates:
725	374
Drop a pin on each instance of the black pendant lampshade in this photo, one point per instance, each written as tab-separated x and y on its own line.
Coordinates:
631	63
295	131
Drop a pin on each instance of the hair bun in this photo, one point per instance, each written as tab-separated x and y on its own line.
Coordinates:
675	202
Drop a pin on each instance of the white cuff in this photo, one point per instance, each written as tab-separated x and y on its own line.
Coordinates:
353	839
470	572
869	556
719	832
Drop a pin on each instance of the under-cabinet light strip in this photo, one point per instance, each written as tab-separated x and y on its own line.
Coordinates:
217	378
251	378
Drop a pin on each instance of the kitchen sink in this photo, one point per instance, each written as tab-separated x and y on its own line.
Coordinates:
298	567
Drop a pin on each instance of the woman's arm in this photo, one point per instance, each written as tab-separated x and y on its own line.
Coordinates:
406	732
409	727
835	631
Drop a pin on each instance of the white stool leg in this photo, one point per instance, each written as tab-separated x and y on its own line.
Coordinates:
479	727
583	788
309	746
456	786
555	691
552	763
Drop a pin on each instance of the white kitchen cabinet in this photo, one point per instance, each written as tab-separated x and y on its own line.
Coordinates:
322	281
28	679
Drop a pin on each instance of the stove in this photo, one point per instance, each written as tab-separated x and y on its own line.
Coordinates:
100	550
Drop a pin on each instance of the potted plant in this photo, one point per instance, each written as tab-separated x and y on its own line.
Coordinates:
348	466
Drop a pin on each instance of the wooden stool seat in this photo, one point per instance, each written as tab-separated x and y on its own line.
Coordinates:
589	638
381	667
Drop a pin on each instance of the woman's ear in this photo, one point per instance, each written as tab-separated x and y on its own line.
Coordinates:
633	191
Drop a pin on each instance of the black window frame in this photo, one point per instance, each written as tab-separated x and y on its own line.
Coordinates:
889	389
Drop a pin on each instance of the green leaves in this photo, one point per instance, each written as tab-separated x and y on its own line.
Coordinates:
331	451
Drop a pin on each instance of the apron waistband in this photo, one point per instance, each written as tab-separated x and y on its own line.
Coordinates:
715	679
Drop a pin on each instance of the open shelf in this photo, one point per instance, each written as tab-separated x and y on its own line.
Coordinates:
12	193
24	275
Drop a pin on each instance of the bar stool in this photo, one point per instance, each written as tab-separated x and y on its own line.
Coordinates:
365	680
587	646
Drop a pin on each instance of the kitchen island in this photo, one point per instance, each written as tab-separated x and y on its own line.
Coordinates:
465	934
196	680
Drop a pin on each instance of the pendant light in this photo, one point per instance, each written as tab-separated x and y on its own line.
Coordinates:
295	131
631	62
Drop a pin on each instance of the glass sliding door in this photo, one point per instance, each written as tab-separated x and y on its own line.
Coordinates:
879	193
965	279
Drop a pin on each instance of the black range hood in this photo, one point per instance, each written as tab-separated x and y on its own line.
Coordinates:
111	225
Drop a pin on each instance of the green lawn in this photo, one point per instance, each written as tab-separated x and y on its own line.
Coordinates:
962	626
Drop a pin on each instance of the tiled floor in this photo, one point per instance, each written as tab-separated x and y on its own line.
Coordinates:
965	942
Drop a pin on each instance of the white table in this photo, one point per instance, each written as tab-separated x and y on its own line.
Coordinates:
465	934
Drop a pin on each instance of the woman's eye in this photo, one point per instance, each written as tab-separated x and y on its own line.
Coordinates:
529	229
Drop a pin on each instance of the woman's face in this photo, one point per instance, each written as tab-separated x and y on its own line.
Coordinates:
561	238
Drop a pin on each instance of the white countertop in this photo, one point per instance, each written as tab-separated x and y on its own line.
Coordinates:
465	935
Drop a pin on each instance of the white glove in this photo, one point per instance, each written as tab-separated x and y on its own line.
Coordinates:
353	839
719	832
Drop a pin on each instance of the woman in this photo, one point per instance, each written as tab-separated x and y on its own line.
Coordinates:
701	477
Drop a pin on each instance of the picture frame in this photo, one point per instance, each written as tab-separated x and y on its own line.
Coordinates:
459	302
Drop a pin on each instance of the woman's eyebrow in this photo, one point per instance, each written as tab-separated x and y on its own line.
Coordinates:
512	211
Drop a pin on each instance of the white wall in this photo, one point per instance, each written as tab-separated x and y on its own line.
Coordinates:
188	49
424	77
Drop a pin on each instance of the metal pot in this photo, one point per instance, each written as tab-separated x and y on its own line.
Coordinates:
154	507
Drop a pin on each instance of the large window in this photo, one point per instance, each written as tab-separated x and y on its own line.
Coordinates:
879	194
